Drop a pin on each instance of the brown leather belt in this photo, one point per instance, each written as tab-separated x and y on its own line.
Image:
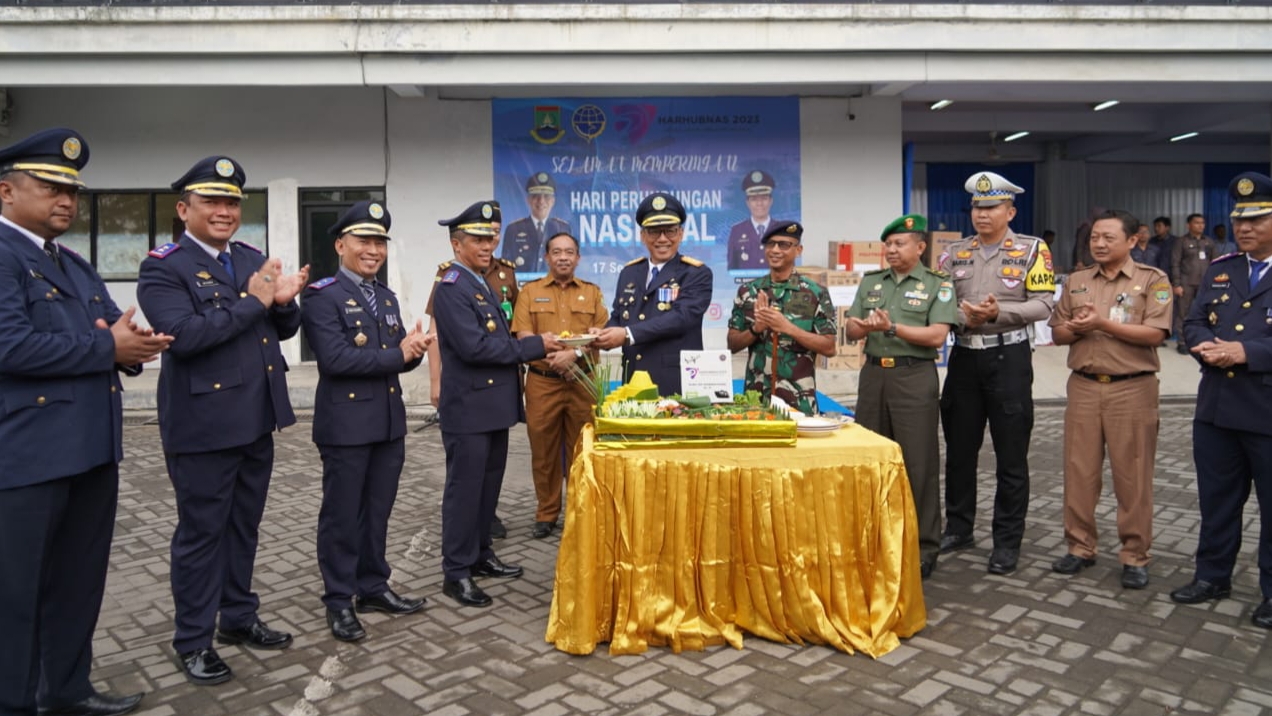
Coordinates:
901	362
1102	378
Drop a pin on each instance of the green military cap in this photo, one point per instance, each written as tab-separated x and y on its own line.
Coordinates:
908	224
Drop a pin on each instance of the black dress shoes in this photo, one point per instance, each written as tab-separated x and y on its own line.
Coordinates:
494	568
926	566
1071	564
466	592
97	705
1134	577
1262	616
345	625
1003	561
204	668
542	529
257	636
1199	590
497	529
953	542
389	602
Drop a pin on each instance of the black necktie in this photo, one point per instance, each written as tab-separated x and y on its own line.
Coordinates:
50	248
368	292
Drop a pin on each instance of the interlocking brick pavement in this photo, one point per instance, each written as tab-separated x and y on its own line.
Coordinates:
1030	643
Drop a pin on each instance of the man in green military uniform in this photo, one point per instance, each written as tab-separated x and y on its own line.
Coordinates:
786	312
905	313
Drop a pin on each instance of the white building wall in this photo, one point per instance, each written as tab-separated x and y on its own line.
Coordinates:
433	156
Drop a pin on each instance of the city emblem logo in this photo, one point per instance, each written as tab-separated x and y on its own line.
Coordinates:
547	124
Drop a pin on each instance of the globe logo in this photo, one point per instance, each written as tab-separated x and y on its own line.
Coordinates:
588	121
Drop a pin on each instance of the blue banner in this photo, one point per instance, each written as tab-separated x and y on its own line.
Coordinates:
584	165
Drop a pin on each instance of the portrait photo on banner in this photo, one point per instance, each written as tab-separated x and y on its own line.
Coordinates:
583	165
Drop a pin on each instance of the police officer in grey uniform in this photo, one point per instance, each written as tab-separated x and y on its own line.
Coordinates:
1003	282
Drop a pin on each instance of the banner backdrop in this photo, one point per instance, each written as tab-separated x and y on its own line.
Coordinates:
601	157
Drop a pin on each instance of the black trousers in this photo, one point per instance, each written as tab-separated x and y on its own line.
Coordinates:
993	385
1229	463
220	500
474	475
54	548
359	486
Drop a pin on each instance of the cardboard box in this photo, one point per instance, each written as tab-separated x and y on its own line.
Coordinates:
850	357
941	241
842	285
855	255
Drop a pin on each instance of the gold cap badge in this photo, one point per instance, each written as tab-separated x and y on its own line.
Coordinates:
1245	187
225	168
71	148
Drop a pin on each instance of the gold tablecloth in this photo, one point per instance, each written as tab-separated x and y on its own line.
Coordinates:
816	543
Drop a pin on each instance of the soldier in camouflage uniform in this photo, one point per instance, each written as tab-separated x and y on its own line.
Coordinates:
791	308
905	313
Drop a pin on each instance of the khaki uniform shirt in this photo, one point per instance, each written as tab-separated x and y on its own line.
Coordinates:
1017	270
1138	294
501	276
1190	256
546	306
920	298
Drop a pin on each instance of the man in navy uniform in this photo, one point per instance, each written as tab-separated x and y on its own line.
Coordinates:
1230	330
660	299
354	325
745	250
222	393
526	239
480	360
63	343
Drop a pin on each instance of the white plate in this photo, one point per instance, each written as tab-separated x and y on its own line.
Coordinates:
817	423
578	341
815	433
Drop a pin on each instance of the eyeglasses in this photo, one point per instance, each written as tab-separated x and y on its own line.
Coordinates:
779	245
655	231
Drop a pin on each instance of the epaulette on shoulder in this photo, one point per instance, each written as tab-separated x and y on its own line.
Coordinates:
633	262
690	260
507	263
444	265
249	247
323	283
878	270
939	273
162	252
1225	257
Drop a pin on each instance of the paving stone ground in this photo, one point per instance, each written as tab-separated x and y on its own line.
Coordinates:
1030	643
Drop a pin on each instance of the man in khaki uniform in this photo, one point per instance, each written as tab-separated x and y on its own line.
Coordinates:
502	277
905	313
1004	282
1190	256
557	407
1112	316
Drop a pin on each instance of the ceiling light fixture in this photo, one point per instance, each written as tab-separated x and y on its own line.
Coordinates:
1014	137
1185	135
941	104
1105	105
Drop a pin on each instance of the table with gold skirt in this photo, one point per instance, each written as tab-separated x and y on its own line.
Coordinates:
815	543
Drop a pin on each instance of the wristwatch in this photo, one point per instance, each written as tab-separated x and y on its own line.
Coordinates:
891	332
578	352
755	332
